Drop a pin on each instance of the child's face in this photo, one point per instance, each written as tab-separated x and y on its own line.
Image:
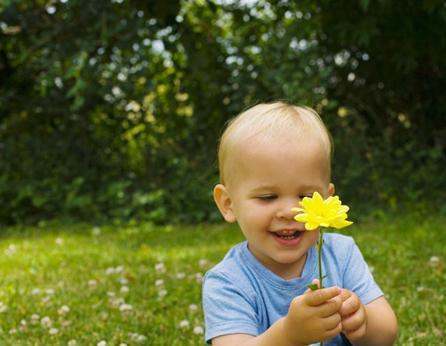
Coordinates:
271	179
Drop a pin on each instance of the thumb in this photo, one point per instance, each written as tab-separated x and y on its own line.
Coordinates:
314	282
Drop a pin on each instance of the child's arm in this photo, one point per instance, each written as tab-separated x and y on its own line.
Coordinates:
312	317
368	325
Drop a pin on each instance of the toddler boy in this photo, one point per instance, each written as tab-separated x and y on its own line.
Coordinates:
270	157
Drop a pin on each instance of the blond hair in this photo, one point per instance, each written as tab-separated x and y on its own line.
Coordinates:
271	120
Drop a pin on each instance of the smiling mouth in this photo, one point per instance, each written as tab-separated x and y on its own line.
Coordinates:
288	235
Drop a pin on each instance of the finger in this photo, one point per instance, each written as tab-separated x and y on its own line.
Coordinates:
356	334
330	307
314	282
350	306
320	296
332	332
354	321
331	322
345	294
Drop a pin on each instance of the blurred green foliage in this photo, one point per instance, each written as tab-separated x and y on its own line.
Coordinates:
113	109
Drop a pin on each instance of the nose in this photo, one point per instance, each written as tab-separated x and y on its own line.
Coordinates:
284	212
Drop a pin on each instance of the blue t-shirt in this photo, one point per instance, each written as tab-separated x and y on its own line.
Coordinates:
240	295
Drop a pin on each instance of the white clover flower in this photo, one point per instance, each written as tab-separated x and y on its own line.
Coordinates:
198	330
53	331
141	338
110	271
59	241
63	310
184	324
46	322
46	299
13	331
111	294
125	307
162	293
23	322
116	302
160	268
119	269
203	263
72	342
11	250
159	282
35	291
123	281
96	231
65	323
49	291
434	261
199	277
180	275
124	289
92	283
102	343
193	307
3	307
35	319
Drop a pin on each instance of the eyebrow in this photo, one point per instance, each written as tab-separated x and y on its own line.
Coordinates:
311	188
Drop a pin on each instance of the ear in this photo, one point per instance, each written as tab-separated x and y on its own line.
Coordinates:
224	202
331	189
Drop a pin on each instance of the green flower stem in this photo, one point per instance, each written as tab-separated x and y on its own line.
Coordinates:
319	257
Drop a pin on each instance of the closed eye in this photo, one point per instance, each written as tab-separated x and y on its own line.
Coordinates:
267	197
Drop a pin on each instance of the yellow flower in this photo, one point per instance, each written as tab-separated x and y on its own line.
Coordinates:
317	212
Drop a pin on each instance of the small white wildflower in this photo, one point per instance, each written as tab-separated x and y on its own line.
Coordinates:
162	293
65	323
122	344
11	250
199	277
119	269
123	281
49	291
434	261
46	322
13	331
35	319
181	275
3	307
141	338
46	299
92	283
198	330
23	322
116	302
125	307
72	342
35	291
124	289
203	263
96	231
110	271
159	282
102	343
54	331
59	241
184	324
160	268
193	307
420	288
111	294
63	310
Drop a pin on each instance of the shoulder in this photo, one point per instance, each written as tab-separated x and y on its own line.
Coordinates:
229	272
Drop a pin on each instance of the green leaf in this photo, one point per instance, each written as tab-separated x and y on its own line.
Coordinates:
312	287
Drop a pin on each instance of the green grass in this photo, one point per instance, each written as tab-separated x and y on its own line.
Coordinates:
44	268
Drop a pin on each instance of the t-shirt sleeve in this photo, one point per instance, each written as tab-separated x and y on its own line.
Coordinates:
358	278
227	308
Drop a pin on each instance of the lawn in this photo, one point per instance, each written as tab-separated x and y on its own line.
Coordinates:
141	284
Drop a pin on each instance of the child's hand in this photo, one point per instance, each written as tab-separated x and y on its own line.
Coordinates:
314	316
353	314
